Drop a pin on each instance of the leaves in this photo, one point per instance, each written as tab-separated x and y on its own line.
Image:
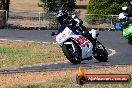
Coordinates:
53	5
106	7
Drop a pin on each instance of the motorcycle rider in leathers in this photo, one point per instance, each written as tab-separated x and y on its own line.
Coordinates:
75	25
125	16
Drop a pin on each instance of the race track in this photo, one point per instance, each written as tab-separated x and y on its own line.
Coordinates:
118	48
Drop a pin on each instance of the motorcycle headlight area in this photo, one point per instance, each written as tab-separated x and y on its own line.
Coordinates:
62	37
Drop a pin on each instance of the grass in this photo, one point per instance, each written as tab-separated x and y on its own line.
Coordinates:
71	83
22	53
61	79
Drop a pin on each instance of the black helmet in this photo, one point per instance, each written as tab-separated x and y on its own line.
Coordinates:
125	9
61	16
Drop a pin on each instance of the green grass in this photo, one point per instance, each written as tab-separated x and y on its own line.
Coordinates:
69	82
27	86
22	53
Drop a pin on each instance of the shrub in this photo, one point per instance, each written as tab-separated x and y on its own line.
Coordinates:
53	5
105	7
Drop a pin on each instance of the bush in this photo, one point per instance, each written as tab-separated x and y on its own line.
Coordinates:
53	5
105	7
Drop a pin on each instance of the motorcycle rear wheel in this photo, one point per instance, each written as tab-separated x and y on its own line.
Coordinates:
101	53
75	57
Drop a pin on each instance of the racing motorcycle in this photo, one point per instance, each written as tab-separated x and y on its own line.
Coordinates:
127	33
126	27
77	48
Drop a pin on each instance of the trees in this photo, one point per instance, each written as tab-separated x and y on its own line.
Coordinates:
106	7
52	5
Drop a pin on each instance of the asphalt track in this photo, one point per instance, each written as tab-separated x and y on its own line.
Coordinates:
117	46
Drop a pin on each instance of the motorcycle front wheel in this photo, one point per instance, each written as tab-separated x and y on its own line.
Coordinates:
130	40
101	53
73	57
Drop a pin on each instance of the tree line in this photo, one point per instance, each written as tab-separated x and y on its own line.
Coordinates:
53	5
104	7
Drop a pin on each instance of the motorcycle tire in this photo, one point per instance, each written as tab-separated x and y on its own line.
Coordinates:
101	53
72	57
130	40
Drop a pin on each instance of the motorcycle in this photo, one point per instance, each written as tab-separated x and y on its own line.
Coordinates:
126	26
127	33
77	48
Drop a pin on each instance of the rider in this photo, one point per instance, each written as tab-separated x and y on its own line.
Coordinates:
75	24
126	16
65	20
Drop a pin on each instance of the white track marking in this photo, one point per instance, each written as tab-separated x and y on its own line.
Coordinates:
112	52
18	40
3	39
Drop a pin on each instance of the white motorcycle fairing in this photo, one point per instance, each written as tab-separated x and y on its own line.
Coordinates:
93	32
84	43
